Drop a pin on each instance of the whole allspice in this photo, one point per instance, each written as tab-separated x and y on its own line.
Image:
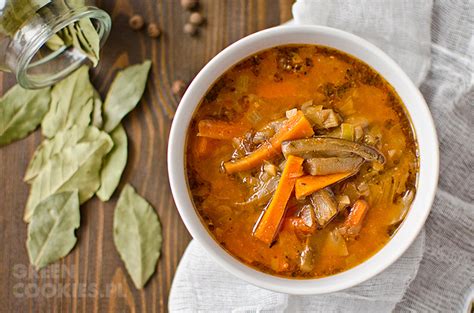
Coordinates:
153	30
178	87
189	4
190	29
196	18
136	22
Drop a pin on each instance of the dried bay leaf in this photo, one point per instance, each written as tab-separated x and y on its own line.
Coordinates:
55	42
125	93
21	111
88	40
15	13
97	120
51	231
75	167
49	147
137	235
114	164
82	35
72	101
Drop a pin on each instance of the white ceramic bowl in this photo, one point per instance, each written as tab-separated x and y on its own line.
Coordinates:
365	51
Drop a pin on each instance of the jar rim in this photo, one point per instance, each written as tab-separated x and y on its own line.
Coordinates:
31	48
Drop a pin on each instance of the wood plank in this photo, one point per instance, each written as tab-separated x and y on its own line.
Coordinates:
92	277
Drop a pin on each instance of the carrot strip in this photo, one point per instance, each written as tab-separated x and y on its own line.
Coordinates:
353	223
268	225
306	185
220	129
295	127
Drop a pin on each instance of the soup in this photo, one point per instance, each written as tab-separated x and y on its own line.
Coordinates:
301	161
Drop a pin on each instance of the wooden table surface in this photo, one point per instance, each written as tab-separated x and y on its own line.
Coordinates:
92	277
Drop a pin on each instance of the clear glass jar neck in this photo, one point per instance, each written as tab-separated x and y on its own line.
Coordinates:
26	56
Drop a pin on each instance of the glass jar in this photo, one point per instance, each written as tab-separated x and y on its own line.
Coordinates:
27	25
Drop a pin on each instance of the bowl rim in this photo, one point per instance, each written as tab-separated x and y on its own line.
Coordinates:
418	112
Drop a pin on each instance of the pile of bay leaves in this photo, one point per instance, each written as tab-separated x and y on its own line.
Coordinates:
84	154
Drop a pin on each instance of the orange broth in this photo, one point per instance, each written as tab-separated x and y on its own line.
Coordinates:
259	90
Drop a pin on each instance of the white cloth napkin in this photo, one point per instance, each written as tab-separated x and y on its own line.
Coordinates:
434	44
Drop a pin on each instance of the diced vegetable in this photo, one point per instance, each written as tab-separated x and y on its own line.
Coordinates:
363	189
327	147
332	119
291	113
335	245
325	206
242	83
295	127
326	166
308	216
220	129
320	118
353	223
311	111
270	169
306	105
358	133
306	185
347	131
343	201
267	227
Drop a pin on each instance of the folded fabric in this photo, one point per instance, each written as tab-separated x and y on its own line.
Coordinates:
401	28
201	285
410	32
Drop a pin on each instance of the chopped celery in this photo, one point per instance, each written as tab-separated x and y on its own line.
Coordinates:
242	83
358	133
332	119
306	105
254	117
291	113
347	131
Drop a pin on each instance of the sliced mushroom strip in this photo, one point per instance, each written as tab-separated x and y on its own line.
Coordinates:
325	206
332	165
330	147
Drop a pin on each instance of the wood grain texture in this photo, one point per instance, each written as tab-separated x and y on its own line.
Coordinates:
92	277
